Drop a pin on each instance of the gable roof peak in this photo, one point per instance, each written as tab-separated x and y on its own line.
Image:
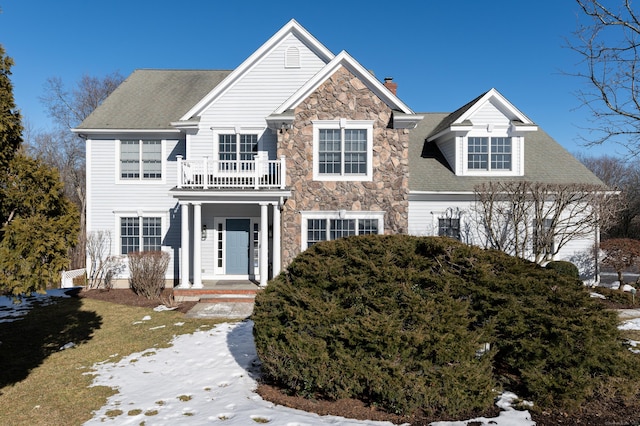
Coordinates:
291	27
344	59
461	116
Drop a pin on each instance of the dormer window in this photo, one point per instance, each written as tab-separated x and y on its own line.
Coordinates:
486	153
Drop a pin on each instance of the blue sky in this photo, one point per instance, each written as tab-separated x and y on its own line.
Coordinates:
441	53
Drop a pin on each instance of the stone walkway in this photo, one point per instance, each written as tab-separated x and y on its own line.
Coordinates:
231	310
628	314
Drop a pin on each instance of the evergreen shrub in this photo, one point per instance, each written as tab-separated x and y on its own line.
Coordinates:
405	322
564	267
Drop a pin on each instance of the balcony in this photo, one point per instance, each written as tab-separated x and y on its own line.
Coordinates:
259	173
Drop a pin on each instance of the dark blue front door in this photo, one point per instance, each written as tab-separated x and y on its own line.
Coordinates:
238	231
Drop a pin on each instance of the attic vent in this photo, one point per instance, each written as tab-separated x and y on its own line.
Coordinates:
292	58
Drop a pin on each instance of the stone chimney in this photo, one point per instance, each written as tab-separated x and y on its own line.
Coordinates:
389	84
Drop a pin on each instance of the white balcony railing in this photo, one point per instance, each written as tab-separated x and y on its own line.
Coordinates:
259	173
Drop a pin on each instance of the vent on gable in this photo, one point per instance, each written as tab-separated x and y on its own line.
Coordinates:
292	58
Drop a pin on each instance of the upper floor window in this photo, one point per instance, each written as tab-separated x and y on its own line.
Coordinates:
140	159
140	232
343	150
237	151
489	153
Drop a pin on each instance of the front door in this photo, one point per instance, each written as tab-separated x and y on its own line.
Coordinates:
237	242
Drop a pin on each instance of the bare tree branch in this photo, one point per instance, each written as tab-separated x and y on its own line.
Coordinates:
536	220
608	46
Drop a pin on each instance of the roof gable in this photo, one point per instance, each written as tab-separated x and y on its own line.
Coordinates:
292	27
464	117
343	59
545	160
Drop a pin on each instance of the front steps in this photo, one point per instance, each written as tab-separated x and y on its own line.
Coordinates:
219	299
218	292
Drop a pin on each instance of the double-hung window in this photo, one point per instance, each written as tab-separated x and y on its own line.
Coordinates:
484	153
140	234
140	159
323	226
237	151
343	149
448	227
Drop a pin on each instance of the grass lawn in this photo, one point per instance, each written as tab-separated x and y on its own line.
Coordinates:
43	385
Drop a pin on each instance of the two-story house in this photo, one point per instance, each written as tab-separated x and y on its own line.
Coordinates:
234	173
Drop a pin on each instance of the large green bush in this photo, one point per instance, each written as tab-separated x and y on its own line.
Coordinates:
400	322
564	267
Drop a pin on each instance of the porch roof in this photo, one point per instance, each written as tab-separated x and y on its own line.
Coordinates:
226	196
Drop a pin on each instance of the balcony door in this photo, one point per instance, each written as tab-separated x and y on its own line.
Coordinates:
236	151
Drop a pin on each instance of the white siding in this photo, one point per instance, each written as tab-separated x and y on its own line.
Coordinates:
108	198
423	221
247	103
490	114
448	149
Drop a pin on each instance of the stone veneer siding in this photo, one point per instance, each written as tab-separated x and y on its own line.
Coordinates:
344	96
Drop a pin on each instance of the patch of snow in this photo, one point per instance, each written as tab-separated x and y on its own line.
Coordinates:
597	295
509	416
210	376
616	286
161	308
633	324
67	346
12	309
205	377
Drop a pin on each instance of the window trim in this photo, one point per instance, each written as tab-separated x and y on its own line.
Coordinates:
237	132
338	214
342	124
140	180
489	153
517	153
140	215
451	219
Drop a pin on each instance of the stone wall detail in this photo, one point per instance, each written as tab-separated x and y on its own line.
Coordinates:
344	96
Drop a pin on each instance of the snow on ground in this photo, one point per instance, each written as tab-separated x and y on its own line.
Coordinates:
210	377
12	309
632	324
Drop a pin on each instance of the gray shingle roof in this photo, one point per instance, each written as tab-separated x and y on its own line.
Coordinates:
544	161
152	99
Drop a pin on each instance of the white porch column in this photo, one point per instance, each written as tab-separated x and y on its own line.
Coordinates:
276	239
264	245
197	245
184	247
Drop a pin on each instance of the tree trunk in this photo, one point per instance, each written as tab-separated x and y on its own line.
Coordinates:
620	280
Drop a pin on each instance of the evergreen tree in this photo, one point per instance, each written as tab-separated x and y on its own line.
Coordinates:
37	223
10	120
42	225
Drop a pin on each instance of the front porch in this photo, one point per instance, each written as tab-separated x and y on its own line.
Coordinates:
230	218
228	235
